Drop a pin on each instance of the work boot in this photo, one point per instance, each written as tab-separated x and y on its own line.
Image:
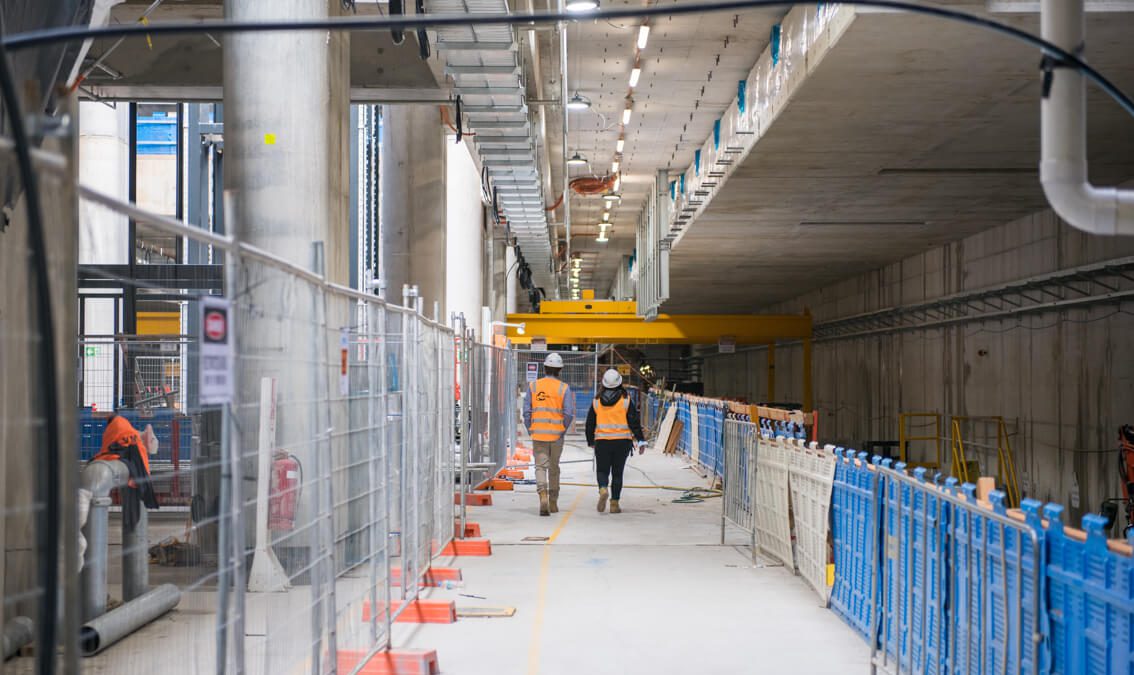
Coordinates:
601	499
543	505
614	507
553	503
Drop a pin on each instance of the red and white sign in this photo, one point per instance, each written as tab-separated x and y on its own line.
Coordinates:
216	352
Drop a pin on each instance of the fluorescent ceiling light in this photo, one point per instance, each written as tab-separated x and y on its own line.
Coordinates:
606	216
618	182
634	75
578	102
612	197
576	160
582	5
643	36
614	166
626	115
602	238
619	145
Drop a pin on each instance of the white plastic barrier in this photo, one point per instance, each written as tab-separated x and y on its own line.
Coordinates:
694	435
773	526
812	473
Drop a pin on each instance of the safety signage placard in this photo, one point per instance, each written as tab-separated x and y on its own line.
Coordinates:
216	343
539	344
533	371
727	344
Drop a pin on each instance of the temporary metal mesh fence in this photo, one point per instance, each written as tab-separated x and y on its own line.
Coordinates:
738	488
488	413
295	521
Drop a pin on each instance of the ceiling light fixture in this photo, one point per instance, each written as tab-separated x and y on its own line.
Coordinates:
618	182
602	238
606	216
578	102
626	114
619	145
582	5
576	160
635	73
614	166
643	36
612	198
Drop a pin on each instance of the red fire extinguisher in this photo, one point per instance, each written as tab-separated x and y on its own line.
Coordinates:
284	489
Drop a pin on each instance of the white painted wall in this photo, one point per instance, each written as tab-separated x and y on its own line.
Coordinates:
104	154
464	236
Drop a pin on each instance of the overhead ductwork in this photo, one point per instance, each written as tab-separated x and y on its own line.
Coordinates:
1063	168
483	62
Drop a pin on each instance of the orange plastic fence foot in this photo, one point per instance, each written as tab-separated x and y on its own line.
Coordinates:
396	662
468	547
418	611
473	499
501	485
471	530
514	474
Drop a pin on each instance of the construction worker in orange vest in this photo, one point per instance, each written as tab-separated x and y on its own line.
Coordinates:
549	410
612	428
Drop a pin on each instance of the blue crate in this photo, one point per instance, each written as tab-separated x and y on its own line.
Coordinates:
163	421
1091	600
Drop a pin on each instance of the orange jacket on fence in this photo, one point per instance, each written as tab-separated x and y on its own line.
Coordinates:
119	435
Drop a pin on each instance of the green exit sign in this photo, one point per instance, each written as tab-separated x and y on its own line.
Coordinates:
91	351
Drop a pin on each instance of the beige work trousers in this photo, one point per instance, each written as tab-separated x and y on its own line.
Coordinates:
547	454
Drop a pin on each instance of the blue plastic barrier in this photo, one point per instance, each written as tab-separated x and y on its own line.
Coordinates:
1091	600
854	533
683	442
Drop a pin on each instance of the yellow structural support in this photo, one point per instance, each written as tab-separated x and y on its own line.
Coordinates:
584	322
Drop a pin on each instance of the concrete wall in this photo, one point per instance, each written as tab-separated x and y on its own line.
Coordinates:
1064	381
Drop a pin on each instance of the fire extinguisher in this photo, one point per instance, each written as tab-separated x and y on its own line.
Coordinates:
284	490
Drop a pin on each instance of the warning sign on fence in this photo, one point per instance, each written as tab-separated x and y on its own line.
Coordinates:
216	352
533	371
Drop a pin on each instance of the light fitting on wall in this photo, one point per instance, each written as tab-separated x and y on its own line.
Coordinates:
576	160
578	102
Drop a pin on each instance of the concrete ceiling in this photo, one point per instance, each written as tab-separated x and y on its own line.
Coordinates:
690	69
189	67
912	132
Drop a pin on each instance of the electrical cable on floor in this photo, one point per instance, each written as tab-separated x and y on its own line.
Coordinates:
1052	53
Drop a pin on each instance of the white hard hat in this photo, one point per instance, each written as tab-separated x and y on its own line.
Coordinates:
553	360
611	379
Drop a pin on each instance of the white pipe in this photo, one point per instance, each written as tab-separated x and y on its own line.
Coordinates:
1063	114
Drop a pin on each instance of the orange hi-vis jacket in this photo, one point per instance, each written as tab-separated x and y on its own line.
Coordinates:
547	409
120	433
611	422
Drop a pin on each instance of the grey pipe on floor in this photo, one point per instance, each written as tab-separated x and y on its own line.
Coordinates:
101	632
18	632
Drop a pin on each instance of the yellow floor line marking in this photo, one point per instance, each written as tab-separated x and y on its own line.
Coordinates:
544	567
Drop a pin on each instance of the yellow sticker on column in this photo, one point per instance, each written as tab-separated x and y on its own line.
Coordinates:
269	139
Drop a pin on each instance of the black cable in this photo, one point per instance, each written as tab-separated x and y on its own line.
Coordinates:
398	24
48	471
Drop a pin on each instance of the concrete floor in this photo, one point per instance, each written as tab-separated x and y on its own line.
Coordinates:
650	590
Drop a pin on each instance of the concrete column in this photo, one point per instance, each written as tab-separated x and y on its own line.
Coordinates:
497	282
464	236
286	118
512	282
414	202
103	157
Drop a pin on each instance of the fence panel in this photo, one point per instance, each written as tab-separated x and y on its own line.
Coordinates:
738	484
773	524
580	372
854	533
811	474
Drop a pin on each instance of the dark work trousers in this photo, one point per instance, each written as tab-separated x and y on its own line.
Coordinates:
610	460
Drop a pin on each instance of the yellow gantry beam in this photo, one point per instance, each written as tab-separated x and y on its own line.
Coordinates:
582	321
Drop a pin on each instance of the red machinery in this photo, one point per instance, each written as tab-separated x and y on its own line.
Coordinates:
283	498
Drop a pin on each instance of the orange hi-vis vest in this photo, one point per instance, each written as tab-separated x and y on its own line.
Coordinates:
547	409
610	422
